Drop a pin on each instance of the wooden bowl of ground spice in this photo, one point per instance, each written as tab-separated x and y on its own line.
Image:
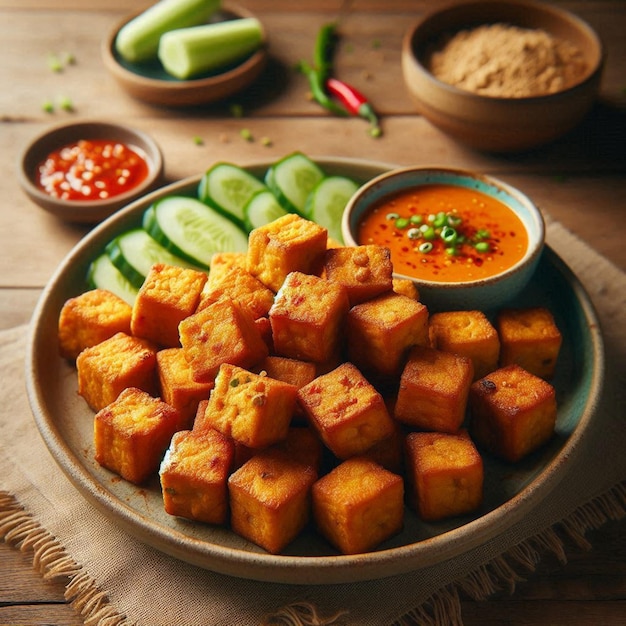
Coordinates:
503	76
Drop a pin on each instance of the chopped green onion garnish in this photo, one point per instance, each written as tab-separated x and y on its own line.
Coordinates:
482	234
246	134
429	233
440	220
414	233
47	107
198	140
482	246
425	247
416	219
454	221
448	234
392	216
402	222
54	63
66	103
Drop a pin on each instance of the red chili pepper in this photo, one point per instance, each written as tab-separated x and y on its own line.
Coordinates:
354	101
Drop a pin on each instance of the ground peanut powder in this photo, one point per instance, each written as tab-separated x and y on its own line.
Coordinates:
507	61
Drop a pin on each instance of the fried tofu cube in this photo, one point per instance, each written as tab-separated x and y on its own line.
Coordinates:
194	476
223	262
106	369
240	286
390	451
513	412
132	433
307	317
381	332
358	505
254	410
89	319
347	412
406	287
222	332
270	499
530	338
433	392
177	386
288	244
168	295
444	474
365	271
469	333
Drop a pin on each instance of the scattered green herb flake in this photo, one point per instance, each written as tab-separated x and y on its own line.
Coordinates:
375	131
266	141
198	140
47	106
376	44
54	63
234	382
246	134
66	104
236	110
68	58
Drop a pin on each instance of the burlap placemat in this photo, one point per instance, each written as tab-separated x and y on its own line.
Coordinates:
115	580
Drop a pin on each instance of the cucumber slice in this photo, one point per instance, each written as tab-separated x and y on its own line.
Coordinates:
262	208
292	179
191	230
102	274
188	52
134	252
138	40
327	201
227	188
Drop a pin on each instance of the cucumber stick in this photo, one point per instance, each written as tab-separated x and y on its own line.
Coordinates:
134	252
327	201
261	209
292	179
228	188
188	52
103	274
138	40
191	230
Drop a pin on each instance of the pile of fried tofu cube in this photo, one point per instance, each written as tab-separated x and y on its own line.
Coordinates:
300	384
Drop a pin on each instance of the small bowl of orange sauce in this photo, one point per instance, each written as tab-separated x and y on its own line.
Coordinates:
467	240
85	171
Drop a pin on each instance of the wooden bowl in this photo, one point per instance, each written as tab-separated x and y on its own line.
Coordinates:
149	82
500	124
87	211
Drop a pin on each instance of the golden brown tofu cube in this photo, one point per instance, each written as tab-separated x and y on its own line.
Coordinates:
529	338
222	332
241	286
444	474
358	505
270	499
406	287
433	390
347	412
382	331
132	433
307	318
513	412
177	386
168	295
108	368
254	410
194	476
469	333
365	271
89	319
288	244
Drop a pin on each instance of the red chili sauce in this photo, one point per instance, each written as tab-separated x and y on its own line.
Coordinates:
91	169
446	233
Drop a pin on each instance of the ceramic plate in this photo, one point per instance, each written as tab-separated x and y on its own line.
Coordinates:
511	491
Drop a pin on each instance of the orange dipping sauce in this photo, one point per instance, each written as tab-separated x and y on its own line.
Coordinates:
94	169
445	233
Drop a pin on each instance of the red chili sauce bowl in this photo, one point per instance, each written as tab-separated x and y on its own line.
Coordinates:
468	241
101	148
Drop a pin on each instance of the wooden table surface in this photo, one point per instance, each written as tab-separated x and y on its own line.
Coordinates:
578	180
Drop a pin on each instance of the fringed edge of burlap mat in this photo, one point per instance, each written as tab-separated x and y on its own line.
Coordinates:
19	530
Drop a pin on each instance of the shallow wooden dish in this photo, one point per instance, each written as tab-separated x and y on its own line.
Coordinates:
87	211
511	491
492	123
149	82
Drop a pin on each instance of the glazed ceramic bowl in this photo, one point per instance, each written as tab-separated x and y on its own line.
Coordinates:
87	211
150	83
500	124
482	294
